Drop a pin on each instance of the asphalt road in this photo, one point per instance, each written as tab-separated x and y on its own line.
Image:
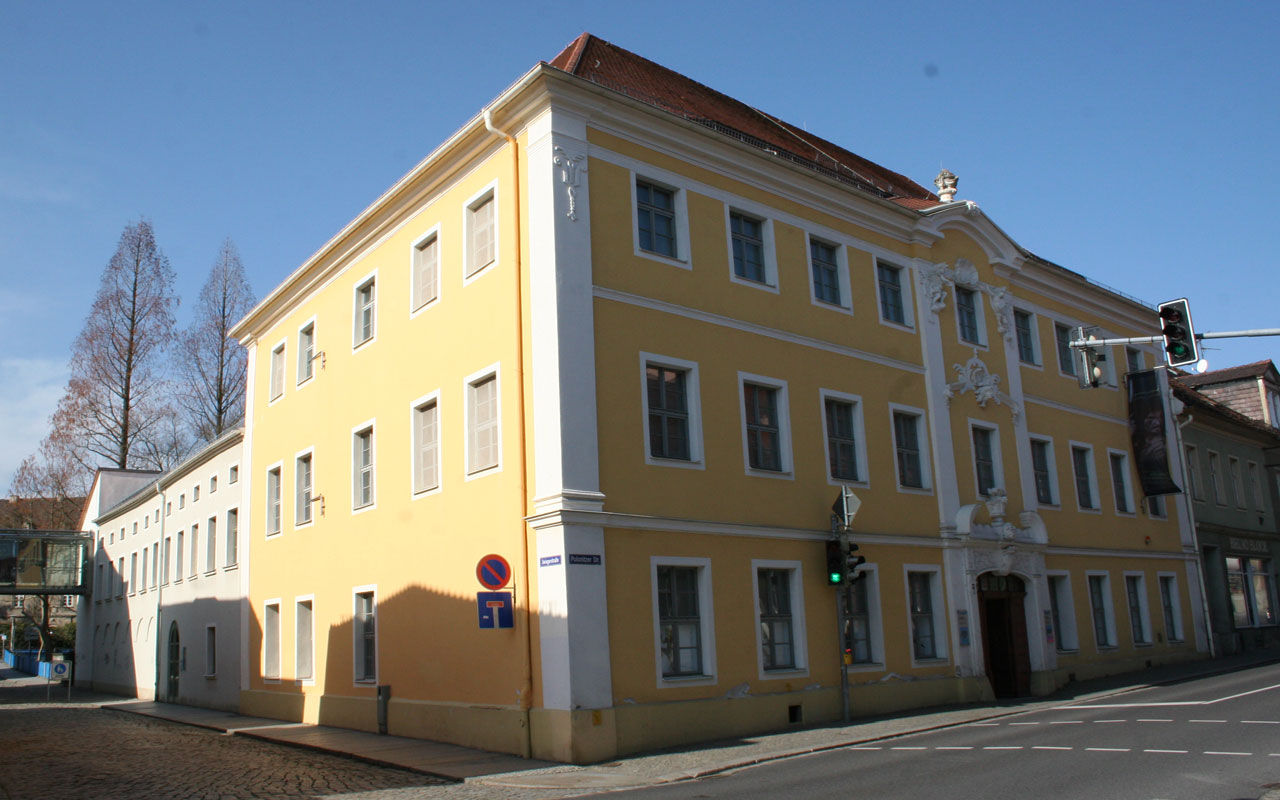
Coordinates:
1206	739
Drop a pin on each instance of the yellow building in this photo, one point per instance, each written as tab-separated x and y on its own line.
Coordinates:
634	337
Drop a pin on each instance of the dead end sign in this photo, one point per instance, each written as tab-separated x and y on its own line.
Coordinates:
493	572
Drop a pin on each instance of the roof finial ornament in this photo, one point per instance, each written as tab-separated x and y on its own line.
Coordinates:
946	183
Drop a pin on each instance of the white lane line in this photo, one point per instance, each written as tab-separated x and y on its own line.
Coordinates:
1004	747
1024	723
957	747
1155	720
1103	721
1206	720
1246	694
985	724
1224	753
1174	703
1067	722
866	748
1181	752
1050	747
1107	749
908	748
1260	721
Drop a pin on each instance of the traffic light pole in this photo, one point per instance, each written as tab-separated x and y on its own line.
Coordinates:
1079	343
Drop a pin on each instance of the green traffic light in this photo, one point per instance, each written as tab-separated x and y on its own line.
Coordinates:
835	577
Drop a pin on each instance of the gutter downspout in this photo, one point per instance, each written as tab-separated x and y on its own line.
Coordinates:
526	690
1195	540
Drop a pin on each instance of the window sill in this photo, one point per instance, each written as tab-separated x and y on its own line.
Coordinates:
763	286
211	572
210	677
677	463
673	681
924	492
1143	644
1074	651
770	473
671	261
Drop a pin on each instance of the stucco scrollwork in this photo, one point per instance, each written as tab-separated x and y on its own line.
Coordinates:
1002	307
975	377
966	274
570	167
933	283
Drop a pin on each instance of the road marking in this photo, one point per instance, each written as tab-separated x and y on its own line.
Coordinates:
1004	747
866	748
1246	694
1206	720
1024	723
1103	721
1107	749
908	748
1224	753
985	724
1050	747
953	748
1155	720
1260	721
1067	722
1182	752
1177	703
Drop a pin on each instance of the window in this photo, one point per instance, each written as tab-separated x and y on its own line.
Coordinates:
195	494
277	373
271	641
177	558
1135	588
135	529
1250	587
655	219
1063	609
366	650
233	535
668	408
1082	466
304	639
484	446
845	454
1066	358
426	445
273	500
1172	607
1215	479
210	651
155	564
362	468
1120	482
233	475
863	637
1133	359
1237	482
211	545
195	549
365	314
892	305
164	570
133	573
182	503
1100	607
302	489
746	236
1193	471
683	637
776	635
306	352
986	459
1255	486
143	586
1273	408
826	271
481	233
213	484
425	271
968	307
908	452
1024	326
766	429
1042	467
927	627
1156	507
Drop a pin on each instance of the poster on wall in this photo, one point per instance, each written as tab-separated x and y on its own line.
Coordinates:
1147	426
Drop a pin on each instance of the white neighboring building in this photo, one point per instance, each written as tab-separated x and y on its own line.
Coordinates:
165	616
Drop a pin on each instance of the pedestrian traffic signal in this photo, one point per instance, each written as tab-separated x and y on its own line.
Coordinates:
852	562
1180	346
837	562
1089	371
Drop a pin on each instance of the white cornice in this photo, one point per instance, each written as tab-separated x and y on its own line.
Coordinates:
1044	401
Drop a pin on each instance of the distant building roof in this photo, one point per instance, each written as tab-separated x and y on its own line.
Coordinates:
1257	369
1191	397
40	513
612	67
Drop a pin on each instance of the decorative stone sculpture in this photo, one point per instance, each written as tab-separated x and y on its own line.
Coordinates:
946	183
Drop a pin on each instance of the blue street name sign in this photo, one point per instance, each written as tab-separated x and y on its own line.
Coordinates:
548	561
496	610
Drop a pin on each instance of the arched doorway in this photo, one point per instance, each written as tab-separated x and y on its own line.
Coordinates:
175	662
1001	600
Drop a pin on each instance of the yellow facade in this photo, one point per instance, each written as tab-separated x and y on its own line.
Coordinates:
629	567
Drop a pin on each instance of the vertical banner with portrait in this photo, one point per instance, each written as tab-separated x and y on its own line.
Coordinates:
1147	426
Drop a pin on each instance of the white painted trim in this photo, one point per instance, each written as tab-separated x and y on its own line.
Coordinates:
266	519
1094	495
1058	355
923	437
298	600
997	458
300	382
468	384
359	344
1128	483
281	347
1069	632
768	247
1109	612
785	462
1055	487
906	281
1143	611
370	588
706	621
308	451
842	274
939	611
274	601
430	397
799	639
424	238
680	208
859	434
371	426
693	398
477	199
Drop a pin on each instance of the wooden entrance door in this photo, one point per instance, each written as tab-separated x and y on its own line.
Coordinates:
1001	602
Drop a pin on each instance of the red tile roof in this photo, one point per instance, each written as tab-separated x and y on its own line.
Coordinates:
608	65
1191	397
1257	369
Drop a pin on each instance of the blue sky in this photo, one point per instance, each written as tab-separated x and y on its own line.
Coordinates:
1129	142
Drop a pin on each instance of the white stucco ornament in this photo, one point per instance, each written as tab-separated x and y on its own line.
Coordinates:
570	167
933	283
967	274
975	377
1002	307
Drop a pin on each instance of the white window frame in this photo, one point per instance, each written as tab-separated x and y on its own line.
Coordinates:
1237	482
1143	610
278	468
871	578
1127	476
210	659
231	539
693	398
488	194
1092	476
799	642
233	475
266	641
1058	356
845	306
680	207
297	641
369	425
906	278
276	378
997	461
1067	634
979	313
1156	507
308	453
767	245
414	249
357	637
469	383
430	398
1108	607
210	546
1179	633
308	364
1191	454
1255	485
859	433
787	466
922	435
1037	352
356	342
941	633
1055	488
1216	480
706	621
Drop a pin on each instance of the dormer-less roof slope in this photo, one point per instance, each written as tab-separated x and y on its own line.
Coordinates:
1258	369
608	65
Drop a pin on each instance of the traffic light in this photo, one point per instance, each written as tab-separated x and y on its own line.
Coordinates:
1089	369
852	562
837	562
1180	346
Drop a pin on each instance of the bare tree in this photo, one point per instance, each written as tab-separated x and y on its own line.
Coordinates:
115	406
212	366
48	489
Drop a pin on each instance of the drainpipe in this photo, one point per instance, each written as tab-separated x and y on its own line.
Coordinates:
526	690
1195	539
161	651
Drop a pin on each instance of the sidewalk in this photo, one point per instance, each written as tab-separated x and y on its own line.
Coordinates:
498	770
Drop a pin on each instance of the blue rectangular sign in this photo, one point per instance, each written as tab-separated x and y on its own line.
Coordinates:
584	558
496	610
548	561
